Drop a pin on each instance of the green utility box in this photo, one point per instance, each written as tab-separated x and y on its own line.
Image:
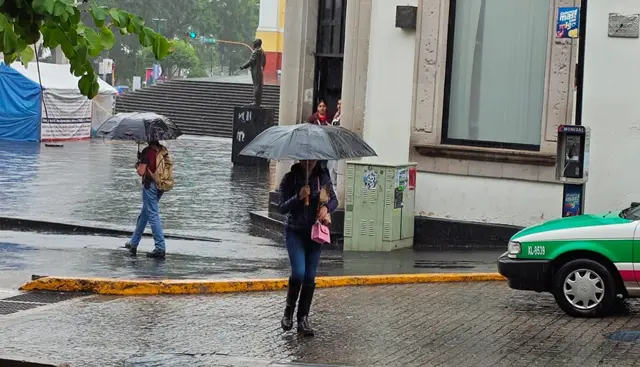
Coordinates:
380	206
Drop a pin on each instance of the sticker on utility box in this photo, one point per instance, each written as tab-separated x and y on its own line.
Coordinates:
370	179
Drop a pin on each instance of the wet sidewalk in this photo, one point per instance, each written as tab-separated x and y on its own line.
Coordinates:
452	324
237	256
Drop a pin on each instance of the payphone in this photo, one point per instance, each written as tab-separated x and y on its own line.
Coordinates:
572	157
572	166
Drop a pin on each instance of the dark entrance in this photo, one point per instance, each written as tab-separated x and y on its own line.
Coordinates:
329	52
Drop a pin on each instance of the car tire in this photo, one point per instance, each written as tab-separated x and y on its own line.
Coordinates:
594	281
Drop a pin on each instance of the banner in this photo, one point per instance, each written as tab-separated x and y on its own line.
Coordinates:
65	116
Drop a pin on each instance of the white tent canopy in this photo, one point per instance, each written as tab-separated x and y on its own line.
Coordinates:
58	76
67	114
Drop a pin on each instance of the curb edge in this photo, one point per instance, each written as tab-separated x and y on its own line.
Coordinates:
124	287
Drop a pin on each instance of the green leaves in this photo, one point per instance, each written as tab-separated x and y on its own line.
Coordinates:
8	38
93	41
161	47
3	22
98	13
44	6
120	18
107	39
27	55
59	22
146	37
138	25
88	85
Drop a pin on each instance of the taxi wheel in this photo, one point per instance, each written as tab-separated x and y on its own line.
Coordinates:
584	288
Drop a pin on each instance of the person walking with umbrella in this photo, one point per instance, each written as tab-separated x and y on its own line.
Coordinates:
300	199
146	167
154	165
304	200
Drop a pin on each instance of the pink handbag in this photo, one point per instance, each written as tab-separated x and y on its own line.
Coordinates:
320	233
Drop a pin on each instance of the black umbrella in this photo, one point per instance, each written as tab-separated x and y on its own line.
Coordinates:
308	142
138	126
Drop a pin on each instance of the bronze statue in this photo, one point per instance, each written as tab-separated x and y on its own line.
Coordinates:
257	63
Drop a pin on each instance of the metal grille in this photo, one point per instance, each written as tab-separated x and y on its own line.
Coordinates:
44	297
28	301
629	336
13	307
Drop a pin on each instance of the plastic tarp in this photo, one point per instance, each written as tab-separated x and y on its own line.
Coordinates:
20	101
66	113
102	109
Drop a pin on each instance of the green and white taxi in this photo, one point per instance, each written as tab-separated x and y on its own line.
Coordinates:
588	262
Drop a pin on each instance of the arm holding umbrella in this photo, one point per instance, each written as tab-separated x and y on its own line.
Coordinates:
288	195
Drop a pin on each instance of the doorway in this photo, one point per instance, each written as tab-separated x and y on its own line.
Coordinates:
329	53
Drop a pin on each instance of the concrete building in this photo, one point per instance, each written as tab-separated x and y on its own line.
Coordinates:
271	31
473	94
611	105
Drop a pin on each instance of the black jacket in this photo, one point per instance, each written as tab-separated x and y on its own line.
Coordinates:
299	216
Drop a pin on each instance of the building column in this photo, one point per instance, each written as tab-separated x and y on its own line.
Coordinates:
58	56
354	76
270	31
298	68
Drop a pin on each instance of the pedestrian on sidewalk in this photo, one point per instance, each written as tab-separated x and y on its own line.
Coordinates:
155	166
300	200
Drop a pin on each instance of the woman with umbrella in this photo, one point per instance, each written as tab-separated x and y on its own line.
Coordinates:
304	200
299	197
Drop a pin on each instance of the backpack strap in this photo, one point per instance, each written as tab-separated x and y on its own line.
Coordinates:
160	153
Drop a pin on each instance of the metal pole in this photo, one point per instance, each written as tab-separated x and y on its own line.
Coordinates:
582	40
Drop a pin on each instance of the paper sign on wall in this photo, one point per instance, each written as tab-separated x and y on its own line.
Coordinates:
568	22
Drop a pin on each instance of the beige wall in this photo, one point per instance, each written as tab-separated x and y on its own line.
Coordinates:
298	68
430	67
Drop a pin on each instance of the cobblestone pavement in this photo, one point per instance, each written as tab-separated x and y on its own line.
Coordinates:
464	324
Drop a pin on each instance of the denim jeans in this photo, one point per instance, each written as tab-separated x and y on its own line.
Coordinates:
149	214
304	256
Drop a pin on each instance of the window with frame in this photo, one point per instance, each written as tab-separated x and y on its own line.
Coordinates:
496	65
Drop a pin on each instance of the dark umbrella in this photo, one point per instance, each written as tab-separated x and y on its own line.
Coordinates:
308	142
139	127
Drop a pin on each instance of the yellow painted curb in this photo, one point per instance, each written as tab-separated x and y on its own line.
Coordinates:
110	286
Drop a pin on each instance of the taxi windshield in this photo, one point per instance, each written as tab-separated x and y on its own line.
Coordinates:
632	212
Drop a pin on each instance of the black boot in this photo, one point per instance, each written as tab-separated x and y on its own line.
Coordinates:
292	297
306	296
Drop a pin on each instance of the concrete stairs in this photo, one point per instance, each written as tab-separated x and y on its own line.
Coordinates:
198	107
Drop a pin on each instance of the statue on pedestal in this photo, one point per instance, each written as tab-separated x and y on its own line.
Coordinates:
257	63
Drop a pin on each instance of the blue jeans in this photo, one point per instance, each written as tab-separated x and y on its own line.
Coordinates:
149	214
304	256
